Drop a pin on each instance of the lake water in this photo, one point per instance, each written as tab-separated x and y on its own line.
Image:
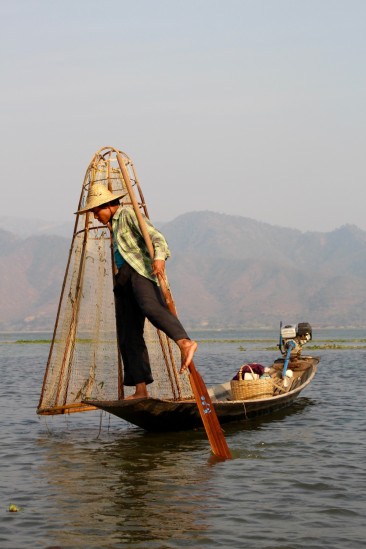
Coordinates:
91	481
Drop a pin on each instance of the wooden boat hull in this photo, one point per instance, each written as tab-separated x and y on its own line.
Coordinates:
154	414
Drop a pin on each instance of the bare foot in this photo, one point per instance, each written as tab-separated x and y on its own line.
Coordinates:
140	392
187	348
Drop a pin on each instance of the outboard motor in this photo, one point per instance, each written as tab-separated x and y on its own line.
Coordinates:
292	338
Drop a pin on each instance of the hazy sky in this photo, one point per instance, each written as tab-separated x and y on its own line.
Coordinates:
246	107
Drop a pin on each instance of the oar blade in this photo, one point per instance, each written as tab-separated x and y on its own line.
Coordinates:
209	418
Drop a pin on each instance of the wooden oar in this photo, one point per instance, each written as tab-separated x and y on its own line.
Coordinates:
206	409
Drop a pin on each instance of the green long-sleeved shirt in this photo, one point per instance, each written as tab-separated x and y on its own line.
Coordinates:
130	242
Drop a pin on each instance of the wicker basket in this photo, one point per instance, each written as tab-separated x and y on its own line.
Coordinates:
247	389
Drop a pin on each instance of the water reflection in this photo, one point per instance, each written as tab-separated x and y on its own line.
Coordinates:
134	488
140	489
269	420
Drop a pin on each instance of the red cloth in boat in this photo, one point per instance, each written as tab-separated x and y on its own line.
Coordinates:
246	368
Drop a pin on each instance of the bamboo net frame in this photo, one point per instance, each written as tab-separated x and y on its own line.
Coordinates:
84	361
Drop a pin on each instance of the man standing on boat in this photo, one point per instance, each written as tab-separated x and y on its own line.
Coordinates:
137	293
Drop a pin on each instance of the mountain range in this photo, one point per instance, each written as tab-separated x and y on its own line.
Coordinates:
225	272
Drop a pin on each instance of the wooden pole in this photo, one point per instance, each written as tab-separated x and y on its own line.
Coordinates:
207	411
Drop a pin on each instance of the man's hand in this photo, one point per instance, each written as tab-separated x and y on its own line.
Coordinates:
158	267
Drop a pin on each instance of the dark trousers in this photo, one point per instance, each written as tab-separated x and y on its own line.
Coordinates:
138	298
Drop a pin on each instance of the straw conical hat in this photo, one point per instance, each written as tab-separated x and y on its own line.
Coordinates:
99	194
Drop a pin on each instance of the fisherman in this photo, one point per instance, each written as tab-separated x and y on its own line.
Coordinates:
136	289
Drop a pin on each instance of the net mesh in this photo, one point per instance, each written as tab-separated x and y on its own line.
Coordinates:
84	362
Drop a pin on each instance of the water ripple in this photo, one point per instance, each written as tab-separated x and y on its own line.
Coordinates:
297	480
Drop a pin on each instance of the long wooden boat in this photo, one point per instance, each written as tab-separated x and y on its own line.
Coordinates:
155	414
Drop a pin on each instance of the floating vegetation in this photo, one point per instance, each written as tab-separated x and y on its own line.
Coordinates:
273	348
324	346
42	341
334	346
331	345
31	341
232	340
